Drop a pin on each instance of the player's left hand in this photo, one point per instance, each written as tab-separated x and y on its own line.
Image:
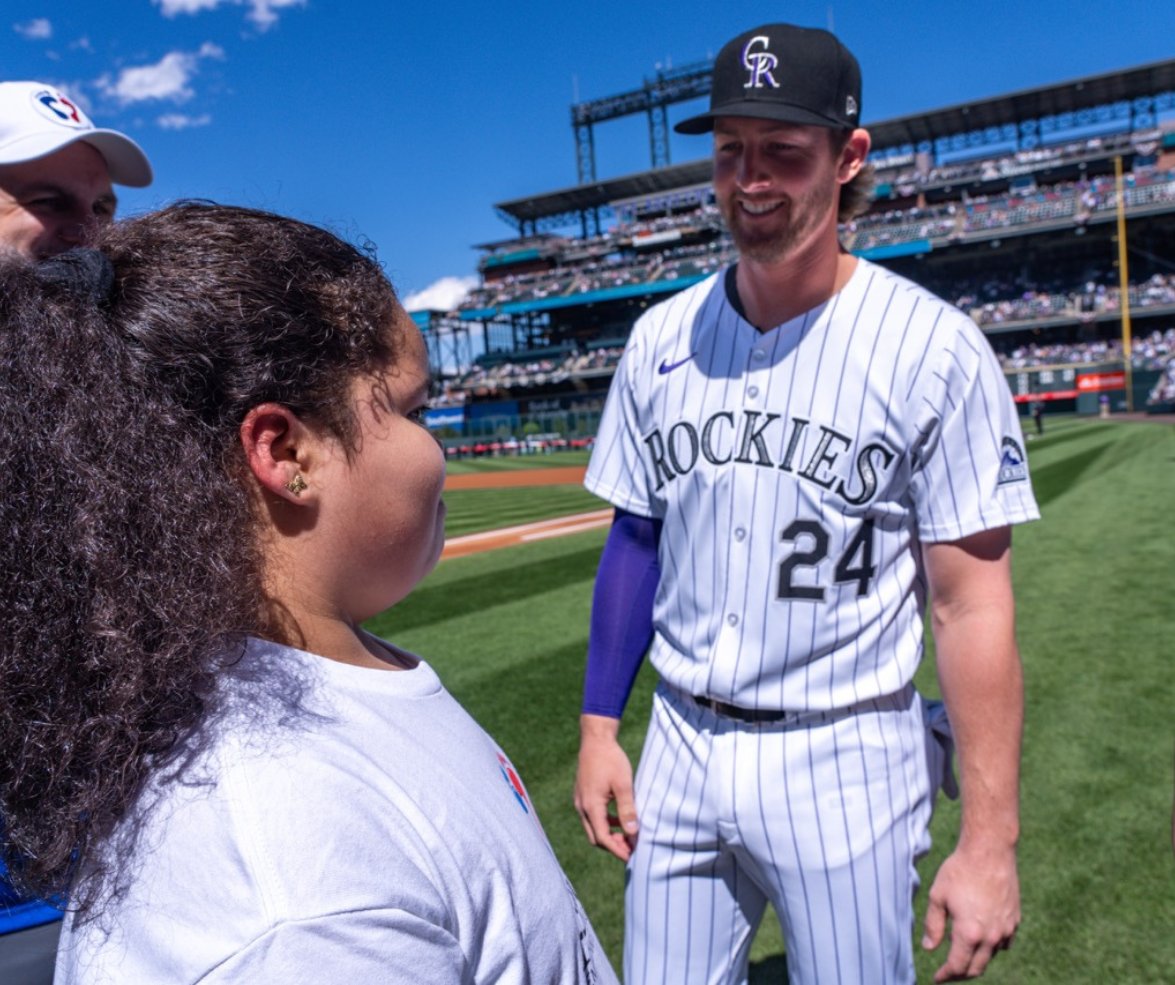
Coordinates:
978	893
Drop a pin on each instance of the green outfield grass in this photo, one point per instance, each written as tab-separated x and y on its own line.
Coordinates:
509	463
473	510
507	632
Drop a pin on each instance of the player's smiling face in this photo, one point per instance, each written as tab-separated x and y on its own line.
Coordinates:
777	185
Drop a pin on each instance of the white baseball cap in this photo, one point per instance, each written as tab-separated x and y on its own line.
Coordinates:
38	119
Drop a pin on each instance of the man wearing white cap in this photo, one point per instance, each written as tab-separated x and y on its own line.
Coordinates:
56	169
56	172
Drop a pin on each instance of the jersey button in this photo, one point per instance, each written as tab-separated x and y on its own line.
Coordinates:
732	620
759	354
739	533
753	392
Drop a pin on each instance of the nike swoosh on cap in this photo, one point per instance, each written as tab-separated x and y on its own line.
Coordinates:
668	367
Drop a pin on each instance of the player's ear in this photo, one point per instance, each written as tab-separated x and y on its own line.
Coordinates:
853	155
282	453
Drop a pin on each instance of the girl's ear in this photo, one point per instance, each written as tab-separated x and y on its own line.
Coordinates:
277	446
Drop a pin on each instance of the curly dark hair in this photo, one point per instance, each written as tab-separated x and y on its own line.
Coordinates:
131	563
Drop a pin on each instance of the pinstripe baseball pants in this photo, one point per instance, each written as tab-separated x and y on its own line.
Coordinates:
822	817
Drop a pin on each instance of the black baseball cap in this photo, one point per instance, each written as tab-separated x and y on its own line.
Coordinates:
785	73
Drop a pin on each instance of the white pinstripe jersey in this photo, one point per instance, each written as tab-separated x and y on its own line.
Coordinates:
797	472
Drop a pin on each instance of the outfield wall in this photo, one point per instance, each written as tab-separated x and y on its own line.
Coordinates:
570	417
1079	389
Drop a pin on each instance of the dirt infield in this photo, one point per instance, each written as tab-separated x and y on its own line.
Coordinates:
489	540
565	476
509	536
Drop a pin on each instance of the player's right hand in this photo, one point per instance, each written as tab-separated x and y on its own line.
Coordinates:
604	780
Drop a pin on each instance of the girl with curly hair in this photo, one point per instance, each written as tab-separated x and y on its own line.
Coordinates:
214	471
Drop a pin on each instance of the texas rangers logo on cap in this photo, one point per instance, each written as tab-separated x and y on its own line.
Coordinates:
759	64
55	107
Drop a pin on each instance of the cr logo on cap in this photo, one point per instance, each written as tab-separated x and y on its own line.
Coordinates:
759	64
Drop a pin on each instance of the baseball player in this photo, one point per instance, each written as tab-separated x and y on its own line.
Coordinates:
802	450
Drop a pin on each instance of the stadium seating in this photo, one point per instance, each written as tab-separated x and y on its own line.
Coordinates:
1021	238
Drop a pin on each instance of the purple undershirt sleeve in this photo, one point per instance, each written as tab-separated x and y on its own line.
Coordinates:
622	613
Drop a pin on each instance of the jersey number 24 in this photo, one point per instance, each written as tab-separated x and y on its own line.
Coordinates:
811	540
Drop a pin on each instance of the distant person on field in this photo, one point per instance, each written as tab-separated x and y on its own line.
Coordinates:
216	468
1038	416
57	170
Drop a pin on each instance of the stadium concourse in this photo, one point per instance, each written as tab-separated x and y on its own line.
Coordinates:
1009	207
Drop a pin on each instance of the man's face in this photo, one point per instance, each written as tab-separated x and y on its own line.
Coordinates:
53	203
777	185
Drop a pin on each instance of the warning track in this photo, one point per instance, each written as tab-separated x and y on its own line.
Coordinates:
570	475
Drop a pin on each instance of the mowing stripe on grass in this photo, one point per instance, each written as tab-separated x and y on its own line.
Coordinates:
1064	434
1050	481
476	654
475	595
511	463
475	510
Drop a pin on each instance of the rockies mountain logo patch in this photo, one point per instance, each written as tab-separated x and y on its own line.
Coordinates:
1012	465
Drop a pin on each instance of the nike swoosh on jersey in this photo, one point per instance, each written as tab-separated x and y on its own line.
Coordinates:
668	367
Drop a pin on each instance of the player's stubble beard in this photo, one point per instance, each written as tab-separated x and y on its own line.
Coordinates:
796	218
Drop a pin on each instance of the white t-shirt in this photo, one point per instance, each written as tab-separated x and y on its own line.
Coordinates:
339	824
798	472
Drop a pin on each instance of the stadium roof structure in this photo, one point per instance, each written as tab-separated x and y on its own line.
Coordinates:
568	205
1028	104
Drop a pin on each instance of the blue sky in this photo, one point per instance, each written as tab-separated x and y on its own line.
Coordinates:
403	122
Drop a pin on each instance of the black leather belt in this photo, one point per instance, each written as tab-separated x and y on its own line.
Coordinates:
766	716
750	715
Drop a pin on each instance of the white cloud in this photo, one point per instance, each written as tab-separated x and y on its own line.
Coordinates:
442	295
181	121
38	29
261	12
168	78
171	8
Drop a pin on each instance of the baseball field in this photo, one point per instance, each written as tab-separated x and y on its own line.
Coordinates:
507	631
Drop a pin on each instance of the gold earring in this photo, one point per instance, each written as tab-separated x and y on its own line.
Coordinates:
297	485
